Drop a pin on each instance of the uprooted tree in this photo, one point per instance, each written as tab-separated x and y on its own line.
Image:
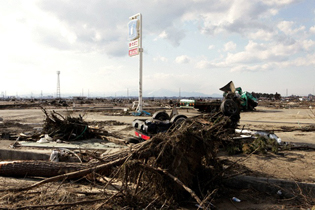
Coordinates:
66	127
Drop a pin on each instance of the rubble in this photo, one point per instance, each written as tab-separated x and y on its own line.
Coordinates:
250	133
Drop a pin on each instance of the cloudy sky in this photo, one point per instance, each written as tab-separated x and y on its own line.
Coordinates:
189	45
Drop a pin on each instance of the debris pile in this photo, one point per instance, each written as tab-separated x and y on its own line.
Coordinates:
179	164
164	172
66	128
175	168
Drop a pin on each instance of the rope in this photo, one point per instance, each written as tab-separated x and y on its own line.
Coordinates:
81	133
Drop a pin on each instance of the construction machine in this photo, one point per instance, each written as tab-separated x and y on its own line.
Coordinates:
234	101
245	100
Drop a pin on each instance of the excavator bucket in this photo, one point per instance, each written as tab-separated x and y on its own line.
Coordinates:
229	87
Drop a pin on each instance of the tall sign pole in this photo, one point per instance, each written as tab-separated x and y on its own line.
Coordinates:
135	48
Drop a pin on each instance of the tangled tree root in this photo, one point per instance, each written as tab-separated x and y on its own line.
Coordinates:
180	163
66	128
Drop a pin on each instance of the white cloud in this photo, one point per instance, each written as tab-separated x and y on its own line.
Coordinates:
230	46
279	2
255	47
205	64
160	58
288	27
253	68
163	35
182	59
303	61
258	53
262	34
237	16
211	47
307	45
173	35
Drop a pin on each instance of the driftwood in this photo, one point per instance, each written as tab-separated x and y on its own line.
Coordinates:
71	175
37	168
31	168
104	200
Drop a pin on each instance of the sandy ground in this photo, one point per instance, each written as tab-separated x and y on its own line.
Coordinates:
276	119
295	165
266	119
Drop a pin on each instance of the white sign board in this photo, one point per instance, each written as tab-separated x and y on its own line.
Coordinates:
134	43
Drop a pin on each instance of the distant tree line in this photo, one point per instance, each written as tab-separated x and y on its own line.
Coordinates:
269	96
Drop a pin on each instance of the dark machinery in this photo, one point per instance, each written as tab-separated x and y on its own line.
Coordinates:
160	122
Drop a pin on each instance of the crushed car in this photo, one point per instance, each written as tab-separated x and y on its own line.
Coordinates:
145	129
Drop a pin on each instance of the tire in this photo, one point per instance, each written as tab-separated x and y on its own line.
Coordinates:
178	120
251	105
161	115
229	108
138	124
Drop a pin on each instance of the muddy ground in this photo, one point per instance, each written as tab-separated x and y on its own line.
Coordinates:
292	124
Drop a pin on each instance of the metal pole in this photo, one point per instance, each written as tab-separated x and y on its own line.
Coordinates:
140	64
139	16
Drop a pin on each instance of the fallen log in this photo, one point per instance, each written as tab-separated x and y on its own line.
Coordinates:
288	189
37	168
41	168
71	175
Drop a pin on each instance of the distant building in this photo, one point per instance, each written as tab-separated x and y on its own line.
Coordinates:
79	98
